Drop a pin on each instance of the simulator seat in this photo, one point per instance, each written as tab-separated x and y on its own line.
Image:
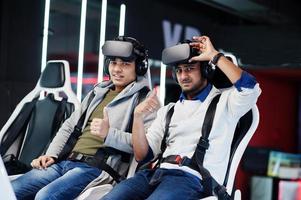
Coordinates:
36	119
245	129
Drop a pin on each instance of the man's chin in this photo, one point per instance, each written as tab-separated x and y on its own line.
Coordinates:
185	85
186	89
190	90
118	81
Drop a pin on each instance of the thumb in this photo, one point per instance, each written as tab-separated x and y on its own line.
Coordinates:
105	114
153	94
195	58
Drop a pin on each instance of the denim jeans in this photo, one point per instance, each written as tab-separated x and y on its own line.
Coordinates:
163	184
64	180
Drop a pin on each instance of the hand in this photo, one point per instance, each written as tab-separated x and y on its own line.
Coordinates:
100	127
205	48
149	105
42	162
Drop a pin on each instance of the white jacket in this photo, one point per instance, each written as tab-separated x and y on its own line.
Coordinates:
186	124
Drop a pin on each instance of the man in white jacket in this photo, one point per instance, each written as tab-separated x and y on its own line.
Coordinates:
105	133
173	179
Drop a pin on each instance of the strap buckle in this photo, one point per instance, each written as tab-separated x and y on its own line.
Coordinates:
185	161
77	129
177	159
203	143
76	156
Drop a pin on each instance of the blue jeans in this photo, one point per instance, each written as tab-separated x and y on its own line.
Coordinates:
163	184
64	180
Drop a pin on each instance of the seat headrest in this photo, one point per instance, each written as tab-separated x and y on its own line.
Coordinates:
53	75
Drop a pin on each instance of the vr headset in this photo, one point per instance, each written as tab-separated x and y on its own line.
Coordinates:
127	52
120	49
181	53
177	54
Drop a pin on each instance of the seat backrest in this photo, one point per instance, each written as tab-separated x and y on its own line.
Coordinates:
55	103
244	131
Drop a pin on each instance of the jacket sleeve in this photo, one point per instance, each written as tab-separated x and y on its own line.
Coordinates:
243	96
122	140
156	131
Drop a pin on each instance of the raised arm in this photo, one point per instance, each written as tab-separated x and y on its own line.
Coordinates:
208	52
140	143
247	89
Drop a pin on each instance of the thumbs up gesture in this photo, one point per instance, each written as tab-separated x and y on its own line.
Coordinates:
149	105
100	127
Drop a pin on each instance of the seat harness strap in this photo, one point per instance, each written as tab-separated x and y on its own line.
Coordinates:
211	186
103	153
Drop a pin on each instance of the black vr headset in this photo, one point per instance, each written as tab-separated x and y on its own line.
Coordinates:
127	49
181	53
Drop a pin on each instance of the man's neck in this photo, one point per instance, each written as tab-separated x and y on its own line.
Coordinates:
191	95
118	89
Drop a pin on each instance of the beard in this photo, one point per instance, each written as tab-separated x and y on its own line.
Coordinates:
195	89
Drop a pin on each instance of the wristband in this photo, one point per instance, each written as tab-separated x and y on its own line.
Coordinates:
215	59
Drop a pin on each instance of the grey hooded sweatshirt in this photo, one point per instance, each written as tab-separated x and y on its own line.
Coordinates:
119	112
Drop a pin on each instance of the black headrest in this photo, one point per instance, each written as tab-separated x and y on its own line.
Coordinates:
220	80
53	75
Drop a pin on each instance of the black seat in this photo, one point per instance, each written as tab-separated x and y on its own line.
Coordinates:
36	119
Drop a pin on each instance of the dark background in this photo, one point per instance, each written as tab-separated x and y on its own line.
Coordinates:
265	36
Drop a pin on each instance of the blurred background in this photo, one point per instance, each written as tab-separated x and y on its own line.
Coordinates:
264	35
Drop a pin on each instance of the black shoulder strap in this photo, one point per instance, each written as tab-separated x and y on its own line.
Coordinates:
209	183
110	150
203	144
58	119
168	118
19	123
59	116
80	122
77	131
103	153
141	96
206	128
163	143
